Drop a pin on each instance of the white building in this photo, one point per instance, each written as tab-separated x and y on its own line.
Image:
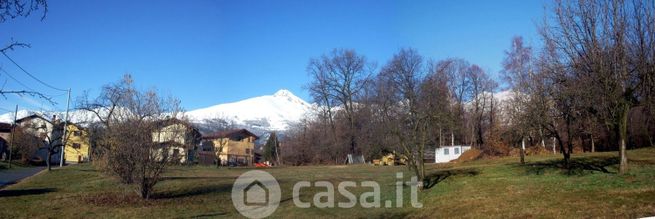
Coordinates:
445	154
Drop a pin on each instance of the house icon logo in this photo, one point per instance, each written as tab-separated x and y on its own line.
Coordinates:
256	194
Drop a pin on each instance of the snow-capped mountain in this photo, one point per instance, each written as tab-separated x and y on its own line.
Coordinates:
269	112
264	113
76	116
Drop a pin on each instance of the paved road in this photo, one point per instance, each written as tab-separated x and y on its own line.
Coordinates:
11	176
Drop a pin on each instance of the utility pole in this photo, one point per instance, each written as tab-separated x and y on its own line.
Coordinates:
63	140
13	127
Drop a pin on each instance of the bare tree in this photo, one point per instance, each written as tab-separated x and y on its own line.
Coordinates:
25	144
459	84
337	81
408	119
131	120
482	88
10	9
519	73
4	92
437	97
53	142
608	44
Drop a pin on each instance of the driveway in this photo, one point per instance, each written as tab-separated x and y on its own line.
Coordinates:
11	176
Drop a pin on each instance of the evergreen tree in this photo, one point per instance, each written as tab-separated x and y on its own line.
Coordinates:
271	148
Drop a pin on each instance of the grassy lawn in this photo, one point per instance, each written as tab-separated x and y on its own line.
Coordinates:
14	165
479	189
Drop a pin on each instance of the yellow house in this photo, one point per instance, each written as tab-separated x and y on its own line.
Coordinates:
234	148
77	144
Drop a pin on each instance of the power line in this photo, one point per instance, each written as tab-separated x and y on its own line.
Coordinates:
28	87
16	80
32	76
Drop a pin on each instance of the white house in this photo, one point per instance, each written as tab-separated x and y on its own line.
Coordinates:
445	154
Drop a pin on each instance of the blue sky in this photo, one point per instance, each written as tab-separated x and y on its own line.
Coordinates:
209	52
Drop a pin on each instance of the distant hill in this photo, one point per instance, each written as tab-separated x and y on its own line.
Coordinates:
260	114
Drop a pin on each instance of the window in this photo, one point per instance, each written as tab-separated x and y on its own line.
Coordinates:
77	133
207	145
445	151
247	150
456	150
76	145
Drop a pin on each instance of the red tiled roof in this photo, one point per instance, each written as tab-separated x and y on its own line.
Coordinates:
230	134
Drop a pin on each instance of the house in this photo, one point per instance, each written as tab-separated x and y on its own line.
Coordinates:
43	129
5	130
180	137
36	125
5	135
234	147
445	154
77	144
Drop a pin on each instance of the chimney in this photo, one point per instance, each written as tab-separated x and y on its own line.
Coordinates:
55	119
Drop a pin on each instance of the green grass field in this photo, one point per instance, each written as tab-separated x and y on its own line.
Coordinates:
497	188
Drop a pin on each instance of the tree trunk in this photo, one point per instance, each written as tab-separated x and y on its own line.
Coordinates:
554	151
623	167
522	151
623	134
277	154
565	153
145	190
421	160
481	140
47	160
593	145
543	142
421	177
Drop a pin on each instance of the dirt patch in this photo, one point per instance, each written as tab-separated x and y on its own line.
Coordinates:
471	154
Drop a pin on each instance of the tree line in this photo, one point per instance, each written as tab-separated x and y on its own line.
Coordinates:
589	87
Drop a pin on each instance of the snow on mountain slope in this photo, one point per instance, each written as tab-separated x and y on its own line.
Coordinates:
76	116
269	112
266	113
8	117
